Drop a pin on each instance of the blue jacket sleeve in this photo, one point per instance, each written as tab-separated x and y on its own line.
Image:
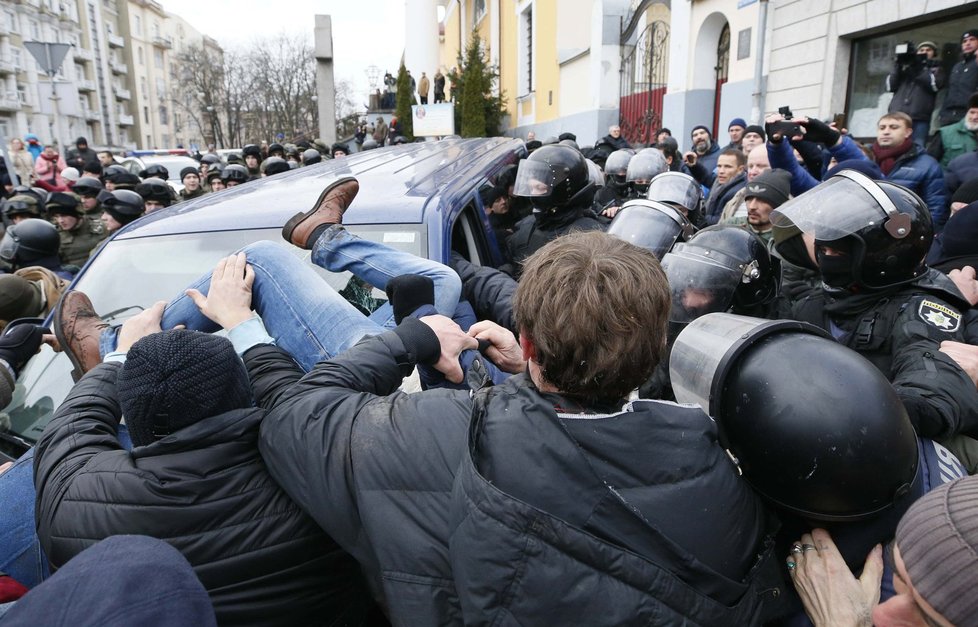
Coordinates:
935	195
465	317
782	158
846	150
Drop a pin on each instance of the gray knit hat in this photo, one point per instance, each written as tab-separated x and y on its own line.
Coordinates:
938	541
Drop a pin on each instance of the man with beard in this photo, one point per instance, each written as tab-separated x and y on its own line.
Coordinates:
956	139
765	193
905	163
702	160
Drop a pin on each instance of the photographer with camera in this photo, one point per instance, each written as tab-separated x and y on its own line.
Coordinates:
916	78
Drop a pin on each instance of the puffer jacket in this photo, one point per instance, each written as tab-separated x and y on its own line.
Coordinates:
919	172
206	491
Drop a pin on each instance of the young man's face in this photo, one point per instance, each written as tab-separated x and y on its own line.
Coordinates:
969	44
759	213
750	142
105	159
736	134
251	161
892	132
111	224
727	168
217	184
89	202
65	221
191	182
152	205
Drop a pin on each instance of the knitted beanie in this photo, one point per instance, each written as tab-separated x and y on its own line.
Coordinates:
173	379
754	128
773	187
938	541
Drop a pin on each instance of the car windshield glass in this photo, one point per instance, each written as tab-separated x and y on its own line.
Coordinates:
130	275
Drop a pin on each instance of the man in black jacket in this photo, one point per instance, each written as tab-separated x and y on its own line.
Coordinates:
441	495
963	81
194	478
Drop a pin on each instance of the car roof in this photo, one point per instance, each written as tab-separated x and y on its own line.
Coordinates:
398	185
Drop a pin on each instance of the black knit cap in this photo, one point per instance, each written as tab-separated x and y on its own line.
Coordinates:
176	378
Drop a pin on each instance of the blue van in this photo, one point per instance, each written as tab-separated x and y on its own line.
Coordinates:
421	198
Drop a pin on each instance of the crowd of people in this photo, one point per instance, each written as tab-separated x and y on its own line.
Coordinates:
732	385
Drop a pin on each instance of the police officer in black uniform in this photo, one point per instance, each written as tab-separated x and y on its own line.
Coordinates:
555	179
868	241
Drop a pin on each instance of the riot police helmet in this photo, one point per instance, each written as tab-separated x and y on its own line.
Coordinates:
654	226
678	189
643	167
594	173
616	166
210	159
867	234
63	203
22	205
311	156
155	171
554	177
720	268
153	189
828	442
251	150
87	186
276	150
122	204
29	241
235	173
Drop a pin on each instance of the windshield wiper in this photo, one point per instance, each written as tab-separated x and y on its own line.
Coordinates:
113	315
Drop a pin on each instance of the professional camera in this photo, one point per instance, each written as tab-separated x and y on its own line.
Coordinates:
906	53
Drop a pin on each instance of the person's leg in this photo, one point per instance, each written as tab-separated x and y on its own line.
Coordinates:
21	556
338	250
921	129
302	312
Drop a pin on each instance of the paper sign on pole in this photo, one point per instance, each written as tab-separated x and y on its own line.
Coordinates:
433	120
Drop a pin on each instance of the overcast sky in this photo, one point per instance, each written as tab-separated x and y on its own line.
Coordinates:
365	32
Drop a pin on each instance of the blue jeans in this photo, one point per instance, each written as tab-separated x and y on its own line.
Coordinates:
21	556
307	317
921	129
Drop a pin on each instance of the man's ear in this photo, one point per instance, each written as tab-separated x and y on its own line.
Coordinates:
529	350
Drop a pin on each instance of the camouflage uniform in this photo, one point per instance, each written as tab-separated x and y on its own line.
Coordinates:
78	243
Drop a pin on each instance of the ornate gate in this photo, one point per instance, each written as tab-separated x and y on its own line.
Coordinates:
644	74
722	68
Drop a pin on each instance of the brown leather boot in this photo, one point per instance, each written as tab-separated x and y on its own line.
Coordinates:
328	210
78	328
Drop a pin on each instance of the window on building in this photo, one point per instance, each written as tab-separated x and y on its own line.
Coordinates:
873	58
143	88
146	115
35	30
79	71
158	58
478	11
138	25
22	94
164	118
160	89
166	139
139	53
526	51
15	58
156	29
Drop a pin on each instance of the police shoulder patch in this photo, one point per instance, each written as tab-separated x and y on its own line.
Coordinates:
939	315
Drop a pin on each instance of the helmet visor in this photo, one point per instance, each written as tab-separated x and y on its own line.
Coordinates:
653	226
834	209
595	174
617	163
8	246
679	189
699	284
645	165
534	179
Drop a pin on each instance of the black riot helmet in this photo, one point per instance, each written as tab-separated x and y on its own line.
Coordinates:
87	186
124	205
29	241
235	173
252	150
678	189
235	158
155	171
883	231
720	268
273	166
113	172
210	159
311	156
643	167
828	442
654	226
156	190
63	203
276	150
553	178
616	167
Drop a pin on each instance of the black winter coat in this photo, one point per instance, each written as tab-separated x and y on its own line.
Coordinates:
536	231
205	490
914	94
381	474
962	82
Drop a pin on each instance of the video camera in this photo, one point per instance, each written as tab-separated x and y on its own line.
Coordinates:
907	57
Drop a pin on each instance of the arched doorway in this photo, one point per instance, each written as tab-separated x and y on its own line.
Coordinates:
644	76
722	69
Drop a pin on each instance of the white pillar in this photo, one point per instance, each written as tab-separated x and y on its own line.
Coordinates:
421	39
325	89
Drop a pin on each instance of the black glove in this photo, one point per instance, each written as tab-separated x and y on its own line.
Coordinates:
19	343
818	131
408	292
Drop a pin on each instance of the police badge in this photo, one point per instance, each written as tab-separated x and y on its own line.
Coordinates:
940	316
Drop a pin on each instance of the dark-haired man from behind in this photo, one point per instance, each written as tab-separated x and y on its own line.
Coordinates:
438	494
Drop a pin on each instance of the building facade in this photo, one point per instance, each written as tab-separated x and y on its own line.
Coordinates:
118	85
581	65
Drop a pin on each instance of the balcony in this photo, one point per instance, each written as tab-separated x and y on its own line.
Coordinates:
162	42
90	114
118	68
7	65
116	41
9	101
82	54
125	119
122	94
84	84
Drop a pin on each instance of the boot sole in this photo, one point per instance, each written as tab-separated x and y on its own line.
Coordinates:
301	217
